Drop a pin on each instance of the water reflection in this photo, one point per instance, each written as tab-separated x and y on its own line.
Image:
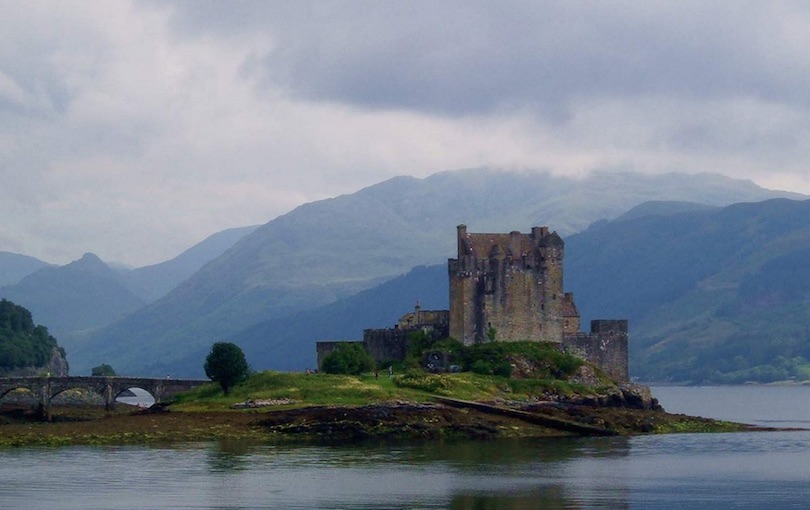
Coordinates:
505	474
551	498
230	455
683	471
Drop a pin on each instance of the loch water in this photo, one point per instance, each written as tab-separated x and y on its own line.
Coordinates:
740	470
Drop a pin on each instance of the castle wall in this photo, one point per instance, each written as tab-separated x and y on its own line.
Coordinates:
606	346
386	345
437	319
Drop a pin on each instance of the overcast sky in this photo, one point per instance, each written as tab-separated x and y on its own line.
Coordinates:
136	129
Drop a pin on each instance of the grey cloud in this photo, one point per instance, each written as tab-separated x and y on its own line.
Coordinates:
460	58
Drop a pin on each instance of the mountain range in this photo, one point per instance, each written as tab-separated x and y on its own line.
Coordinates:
713	295
274	289
14	267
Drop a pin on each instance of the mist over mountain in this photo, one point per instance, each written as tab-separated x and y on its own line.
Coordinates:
82	295
288	343
155	281
14	267
327	250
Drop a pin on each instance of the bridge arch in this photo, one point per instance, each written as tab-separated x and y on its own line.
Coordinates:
118	398
5	390
59	390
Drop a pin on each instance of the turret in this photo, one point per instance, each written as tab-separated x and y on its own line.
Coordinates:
462	240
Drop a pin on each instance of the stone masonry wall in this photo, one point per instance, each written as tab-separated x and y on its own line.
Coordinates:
386	344
512	283
606	346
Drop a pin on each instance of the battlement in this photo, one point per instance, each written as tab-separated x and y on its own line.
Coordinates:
605	346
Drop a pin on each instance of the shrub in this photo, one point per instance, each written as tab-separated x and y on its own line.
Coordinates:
348	358
481	367
103	370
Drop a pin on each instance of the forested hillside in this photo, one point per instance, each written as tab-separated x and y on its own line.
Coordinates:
22	343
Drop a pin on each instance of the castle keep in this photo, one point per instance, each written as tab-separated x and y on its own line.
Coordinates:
506	288
509	287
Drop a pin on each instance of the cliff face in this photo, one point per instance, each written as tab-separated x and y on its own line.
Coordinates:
57	367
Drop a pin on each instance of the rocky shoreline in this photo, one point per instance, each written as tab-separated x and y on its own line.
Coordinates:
396	420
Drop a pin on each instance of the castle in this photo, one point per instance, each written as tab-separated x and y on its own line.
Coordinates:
507	288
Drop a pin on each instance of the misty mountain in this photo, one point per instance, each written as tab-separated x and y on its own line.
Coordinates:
288	343
84	294
664	208
712	294
14	267
330	249
153	282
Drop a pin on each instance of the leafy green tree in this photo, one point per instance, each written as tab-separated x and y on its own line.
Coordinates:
103	370
226	365
348	358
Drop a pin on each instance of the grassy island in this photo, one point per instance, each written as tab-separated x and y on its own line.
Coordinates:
277	406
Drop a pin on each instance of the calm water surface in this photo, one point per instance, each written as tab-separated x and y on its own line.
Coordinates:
751	470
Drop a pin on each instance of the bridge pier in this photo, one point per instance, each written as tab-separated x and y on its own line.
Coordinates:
44	407
109	398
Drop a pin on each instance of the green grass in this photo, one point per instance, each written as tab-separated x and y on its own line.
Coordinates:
326	389
303	389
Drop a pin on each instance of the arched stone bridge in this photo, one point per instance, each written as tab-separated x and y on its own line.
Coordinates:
46	388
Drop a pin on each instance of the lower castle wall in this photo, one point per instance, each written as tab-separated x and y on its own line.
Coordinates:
386	344
605	346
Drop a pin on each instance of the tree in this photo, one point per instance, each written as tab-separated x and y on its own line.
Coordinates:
348	358
226	365
103	370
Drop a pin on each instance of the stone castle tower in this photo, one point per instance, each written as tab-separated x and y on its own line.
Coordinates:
510	286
